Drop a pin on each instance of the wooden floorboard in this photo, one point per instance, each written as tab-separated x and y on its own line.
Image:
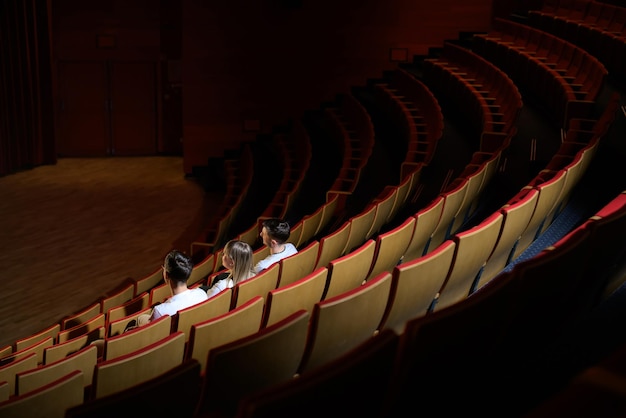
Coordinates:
74	231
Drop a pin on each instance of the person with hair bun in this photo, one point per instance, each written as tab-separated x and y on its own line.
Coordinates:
177	268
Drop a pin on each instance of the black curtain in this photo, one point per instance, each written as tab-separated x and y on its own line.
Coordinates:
26	102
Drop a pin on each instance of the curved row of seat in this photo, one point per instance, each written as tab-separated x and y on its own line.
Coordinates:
294	152
238	174
350	127
597	27
483	93
565	77
412	109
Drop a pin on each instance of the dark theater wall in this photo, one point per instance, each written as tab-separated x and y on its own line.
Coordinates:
106	57
216	73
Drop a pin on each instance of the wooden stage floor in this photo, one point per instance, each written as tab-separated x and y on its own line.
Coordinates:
73	231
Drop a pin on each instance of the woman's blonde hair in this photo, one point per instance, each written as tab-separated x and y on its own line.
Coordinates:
241	254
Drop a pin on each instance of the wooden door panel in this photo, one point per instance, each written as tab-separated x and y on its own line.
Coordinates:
133	110
83	119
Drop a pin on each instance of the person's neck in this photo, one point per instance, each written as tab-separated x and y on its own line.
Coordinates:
179	289
279	248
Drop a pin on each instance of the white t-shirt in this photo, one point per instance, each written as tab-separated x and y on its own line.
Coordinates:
290	249
180	301
219	286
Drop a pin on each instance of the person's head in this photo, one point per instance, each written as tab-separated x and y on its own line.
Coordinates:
275	232
237	258
177	267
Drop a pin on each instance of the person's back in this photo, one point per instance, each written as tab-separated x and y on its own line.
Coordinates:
275	233
177	302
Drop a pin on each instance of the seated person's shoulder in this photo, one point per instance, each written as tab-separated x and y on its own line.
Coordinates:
291	249
219	277
201	293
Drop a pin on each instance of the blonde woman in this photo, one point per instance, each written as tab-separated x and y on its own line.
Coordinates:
237	260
